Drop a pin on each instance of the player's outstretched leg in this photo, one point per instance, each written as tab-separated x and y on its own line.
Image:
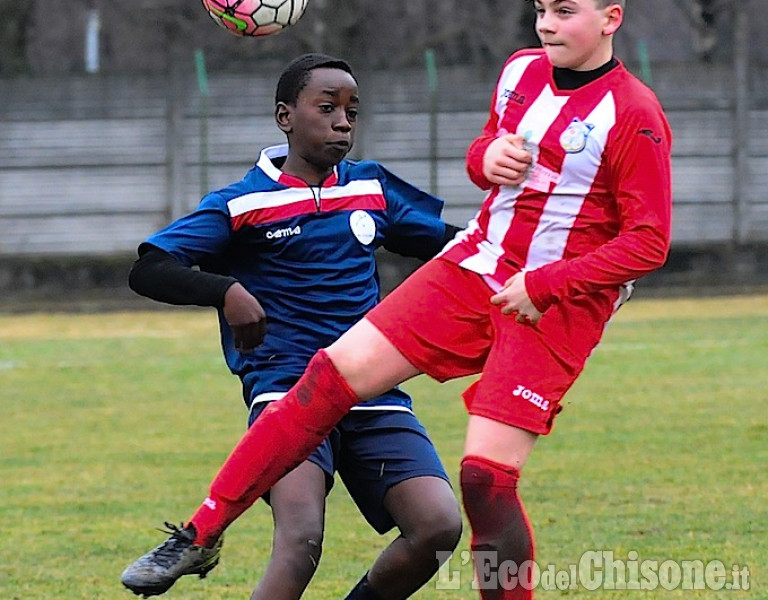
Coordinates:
155	572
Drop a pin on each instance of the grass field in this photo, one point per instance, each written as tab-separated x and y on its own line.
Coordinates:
112	423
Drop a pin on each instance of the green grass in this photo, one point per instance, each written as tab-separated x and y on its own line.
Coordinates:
110	424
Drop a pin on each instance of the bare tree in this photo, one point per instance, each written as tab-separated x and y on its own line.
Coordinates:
47	36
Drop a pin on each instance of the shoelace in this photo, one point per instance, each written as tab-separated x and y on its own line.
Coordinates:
167	553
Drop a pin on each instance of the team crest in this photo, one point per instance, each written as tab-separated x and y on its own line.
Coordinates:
574	138
363	226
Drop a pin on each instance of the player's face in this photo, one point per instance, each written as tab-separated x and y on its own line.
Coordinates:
322	124
576	34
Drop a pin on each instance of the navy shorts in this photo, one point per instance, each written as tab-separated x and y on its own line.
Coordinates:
373	450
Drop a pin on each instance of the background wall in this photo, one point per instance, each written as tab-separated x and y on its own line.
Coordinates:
91	163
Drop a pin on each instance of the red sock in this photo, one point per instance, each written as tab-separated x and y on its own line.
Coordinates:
282	437
500	529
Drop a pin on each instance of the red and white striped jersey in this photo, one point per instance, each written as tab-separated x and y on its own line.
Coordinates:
595	209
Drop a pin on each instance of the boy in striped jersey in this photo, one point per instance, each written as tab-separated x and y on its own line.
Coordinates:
575	158
293	243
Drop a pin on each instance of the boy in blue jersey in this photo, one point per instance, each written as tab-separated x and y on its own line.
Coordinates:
292	244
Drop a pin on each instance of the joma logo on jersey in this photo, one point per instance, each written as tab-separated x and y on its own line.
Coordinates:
514	96
532	397
284	232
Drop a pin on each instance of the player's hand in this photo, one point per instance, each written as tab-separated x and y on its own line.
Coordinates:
515	300
246	318
505	162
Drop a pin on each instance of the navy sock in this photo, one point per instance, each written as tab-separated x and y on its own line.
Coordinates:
363	591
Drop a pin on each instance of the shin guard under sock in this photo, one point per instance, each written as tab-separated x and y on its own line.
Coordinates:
500	529
283	436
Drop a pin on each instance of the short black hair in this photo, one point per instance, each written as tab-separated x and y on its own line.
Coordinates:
295	76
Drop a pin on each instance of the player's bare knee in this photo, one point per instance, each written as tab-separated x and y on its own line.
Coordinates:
440	532
305	557
303	547
447	533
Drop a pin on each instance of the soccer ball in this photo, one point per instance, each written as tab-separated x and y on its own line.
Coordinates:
255	17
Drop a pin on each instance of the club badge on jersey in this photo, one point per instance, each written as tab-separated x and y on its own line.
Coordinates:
574	138
363	226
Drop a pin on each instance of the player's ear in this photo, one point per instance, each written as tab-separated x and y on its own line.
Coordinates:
614	15
283	118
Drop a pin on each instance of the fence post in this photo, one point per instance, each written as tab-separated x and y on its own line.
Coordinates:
741	16
429	56
205	92
175	189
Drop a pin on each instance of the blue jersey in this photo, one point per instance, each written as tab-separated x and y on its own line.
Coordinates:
307	254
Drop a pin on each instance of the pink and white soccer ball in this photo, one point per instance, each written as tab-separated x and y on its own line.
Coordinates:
255	17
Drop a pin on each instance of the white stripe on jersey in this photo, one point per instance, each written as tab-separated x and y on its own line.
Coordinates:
508	80
541	114
567	197
261	200
267	397
272	396
358	187
461	236
537	120
502	210
380	407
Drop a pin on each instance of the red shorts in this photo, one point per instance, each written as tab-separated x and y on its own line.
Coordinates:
442	321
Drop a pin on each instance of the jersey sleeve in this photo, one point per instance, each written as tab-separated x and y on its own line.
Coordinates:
157	275
476	153
476	150
414	227
195	238
640	171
